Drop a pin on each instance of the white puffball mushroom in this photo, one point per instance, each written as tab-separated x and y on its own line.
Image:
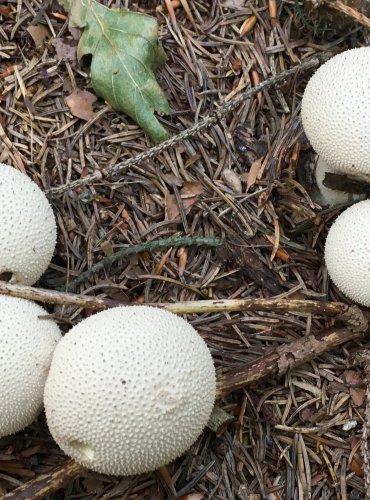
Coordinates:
129	390
27	228
336	111
347	252
27	344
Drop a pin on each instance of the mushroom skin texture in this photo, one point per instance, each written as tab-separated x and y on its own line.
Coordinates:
27	344
336	111
347	252
27	228
129	390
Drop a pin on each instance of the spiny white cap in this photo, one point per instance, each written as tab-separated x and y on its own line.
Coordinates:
26	347
129	390
336	111
27	227
347	252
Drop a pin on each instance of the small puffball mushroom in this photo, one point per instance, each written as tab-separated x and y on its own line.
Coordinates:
27	228
336	111
129	390
27	344
347	252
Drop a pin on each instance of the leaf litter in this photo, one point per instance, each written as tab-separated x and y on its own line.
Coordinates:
252	457
80	103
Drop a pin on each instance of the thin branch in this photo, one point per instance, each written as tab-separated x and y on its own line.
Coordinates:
46	484
142	247
189	132
54	297
284	357
352	316
348	11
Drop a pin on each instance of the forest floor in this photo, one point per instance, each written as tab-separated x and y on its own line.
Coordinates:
244	179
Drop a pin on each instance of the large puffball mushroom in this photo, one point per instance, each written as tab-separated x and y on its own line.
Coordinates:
347	252
27	344
336	111
129	390
27	228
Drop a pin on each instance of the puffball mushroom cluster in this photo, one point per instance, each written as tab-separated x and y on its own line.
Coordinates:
336	119
27	240
125	391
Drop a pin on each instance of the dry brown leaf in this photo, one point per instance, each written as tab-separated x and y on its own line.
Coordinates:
189	195
191	188
318	477
252	175
193	496
233	4
38	34
356	465
66	49
358	394
5	11
80	103
232	180
306	414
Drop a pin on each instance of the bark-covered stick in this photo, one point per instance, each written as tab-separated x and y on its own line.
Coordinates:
278	361
46	484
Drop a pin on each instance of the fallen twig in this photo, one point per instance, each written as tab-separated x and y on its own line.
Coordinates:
278	361
352	316
46	484
348	11
189	132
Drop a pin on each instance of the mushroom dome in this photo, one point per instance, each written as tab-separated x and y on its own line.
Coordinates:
347	252
27	344
336	111
27	228
129	390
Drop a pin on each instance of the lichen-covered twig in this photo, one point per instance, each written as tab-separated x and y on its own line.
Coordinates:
147	246
189	132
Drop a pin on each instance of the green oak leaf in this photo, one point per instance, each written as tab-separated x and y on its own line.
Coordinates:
125	53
